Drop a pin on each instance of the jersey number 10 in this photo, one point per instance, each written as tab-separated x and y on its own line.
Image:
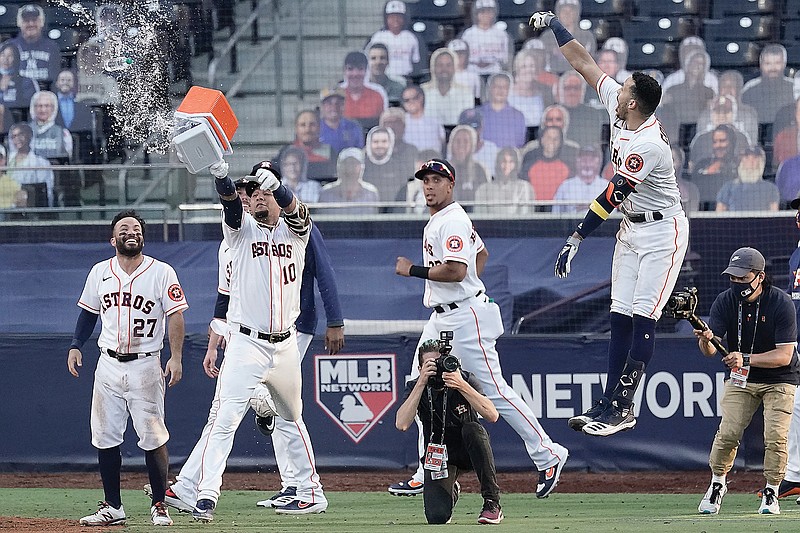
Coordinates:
289	273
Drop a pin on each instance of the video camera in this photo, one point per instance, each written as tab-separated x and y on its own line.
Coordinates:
681	306
446	362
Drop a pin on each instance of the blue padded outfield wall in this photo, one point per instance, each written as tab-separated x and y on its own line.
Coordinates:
45	411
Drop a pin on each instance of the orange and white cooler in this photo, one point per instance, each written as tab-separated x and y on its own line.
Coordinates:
204	126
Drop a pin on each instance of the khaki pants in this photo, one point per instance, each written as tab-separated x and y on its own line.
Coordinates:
738	406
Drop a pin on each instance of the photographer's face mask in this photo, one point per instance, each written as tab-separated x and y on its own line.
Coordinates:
743	289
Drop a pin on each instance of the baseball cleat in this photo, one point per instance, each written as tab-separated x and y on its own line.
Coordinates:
712	500
548	478
406	488
769	502
577	422
787	488
160	515
203	510
613	420
301	507
171	499
491	513
265	424
105	516
279	499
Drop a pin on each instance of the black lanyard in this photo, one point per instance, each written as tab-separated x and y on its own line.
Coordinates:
755	326
433	412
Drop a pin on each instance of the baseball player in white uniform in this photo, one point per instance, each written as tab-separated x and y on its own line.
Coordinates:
490	46
267	255
134	294
454	257
653	235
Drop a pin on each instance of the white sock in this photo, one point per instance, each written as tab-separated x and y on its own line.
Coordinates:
773	487
718	479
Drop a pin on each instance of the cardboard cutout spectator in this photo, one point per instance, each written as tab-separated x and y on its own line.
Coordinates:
489	44
506	194
444	98
334	129
29	169
749	192
384	169
585	122
485	152
585	185
306	137
528	94
692	96
502	124
745	119
422	129
471	174
40	56
350	187
688	46
464	75
544	166
364	101
16	90
294	169
378	57
406	53
712	172
772	90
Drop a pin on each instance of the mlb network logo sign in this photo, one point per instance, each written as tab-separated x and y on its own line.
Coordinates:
355	390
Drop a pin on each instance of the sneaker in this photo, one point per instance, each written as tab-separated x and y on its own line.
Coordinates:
301	507
262	402
406	488
577	422
105	516
203	510
613	420
456	493
548	479
171	499
769	502
788	488
160	515
265	424
279	498
491	513
712	500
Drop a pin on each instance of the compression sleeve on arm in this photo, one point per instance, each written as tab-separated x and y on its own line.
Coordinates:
562	34
83	328
221	307
601	207
283	196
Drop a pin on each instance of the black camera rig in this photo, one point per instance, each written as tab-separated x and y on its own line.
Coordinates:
682	305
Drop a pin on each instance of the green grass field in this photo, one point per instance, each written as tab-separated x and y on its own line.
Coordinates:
373	512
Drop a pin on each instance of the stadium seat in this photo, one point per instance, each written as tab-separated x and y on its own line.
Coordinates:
742	7
8	17
601	28
733	54
441	10
793	55
517	9
790	32
741	28
67	39
664	29
698	8
606	8
429	32
655	54
519	30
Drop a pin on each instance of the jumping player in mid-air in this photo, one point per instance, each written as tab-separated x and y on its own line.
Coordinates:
454	257
133	294
652	238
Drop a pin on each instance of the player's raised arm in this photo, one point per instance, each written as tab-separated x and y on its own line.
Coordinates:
573	51
231	203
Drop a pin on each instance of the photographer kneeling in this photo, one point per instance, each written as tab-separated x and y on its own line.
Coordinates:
448	401
759	323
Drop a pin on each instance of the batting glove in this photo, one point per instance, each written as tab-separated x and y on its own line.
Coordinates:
565	256
541	19
219	169
267	175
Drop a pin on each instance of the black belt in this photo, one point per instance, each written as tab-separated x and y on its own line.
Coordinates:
642	217
273	338
450	306
126	357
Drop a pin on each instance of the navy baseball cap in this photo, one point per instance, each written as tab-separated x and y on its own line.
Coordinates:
795	204
745	260
437	166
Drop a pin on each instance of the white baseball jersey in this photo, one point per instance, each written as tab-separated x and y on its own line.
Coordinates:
643	156
225	267
132	307
266	273
450	236
487	46
403	51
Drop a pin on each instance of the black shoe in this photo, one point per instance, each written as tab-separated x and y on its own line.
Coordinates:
577	422
203	510
614	419
265	424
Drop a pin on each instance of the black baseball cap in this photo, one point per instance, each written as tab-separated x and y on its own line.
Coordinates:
745	260
795	204
437	166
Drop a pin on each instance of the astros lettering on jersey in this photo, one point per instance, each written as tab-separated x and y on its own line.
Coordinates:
131	306
642	156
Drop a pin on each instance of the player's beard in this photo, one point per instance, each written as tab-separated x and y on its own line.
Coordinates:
130	251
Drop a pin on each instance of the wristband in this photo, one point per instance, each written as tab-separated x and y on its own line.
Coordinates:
283	196
224	186
419	271
562	34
